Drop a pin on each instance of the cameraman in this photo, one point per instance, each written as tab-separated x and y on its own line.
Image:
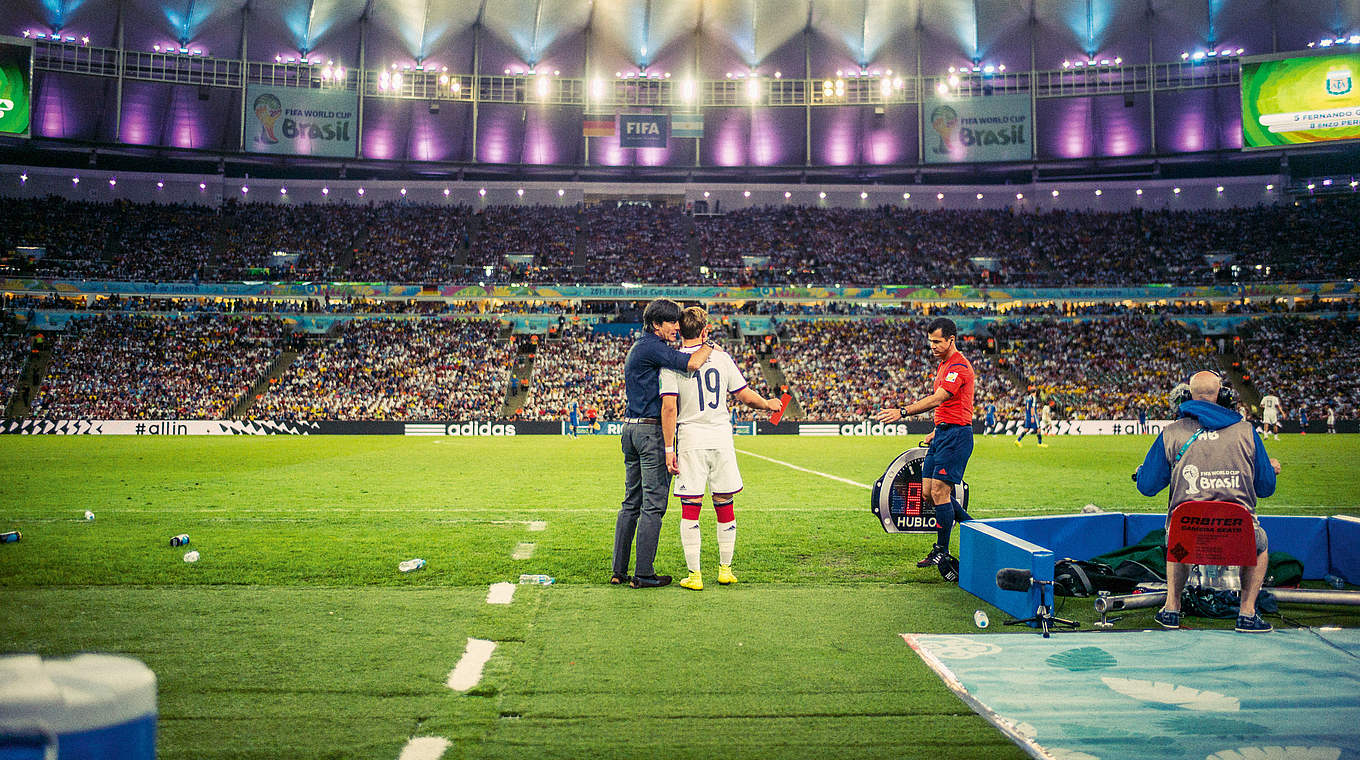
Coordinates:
1208	437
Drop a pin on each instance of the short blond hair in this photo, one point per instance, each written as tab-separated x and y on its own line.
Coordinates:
693	320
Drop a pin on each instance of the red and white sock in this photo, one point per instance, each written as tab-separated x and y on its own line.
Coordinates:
727	529
690	537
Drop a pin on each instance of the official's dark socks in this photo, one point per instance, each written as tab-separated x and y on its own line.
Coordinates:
944	521
960	514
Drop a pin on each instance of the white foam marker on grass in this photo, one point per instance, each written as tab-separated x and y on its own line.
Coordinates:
469	669
501	593
523	550
536	525
804	469
424	747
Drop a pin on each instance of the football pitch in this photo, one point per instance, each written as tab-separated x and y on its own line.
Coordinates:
296	636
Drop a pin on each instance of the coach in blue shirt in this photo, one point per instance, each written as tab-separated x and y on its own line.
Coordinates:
647	481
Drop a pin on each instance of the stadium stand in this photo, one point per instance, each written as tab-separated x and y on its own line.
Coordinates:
578	365
1306	362
799	245
136	366
394	369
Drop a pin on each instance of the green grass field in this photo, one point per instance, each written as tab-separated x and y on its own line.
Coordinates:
296	636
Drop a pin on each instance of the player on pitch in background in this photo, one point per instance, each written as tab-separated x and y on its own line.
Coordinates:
701	453
951	442
1031	423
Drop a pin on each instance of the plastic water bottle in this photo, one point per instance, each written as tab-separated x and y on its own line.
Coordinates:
537	579
411	565
1334	581
10	537
980	619
180	540
191	556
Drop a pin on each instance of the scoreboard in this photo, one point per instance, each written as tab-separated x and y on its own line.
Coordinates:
1300	100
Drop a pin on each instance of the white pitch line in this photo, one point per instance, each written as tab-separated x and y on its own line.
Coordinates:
469	669
500	593
424	748
804	469
523	550
535	525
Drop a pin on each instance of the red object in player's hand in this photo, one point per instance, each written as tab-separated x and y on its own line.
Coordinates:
783	404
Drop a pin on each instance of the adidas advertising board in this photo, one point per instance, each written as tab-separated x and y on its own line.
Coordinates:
460	428
896	498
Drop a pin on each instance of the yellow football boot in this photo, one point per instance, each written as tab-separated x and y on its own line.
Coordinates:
725	576
693	581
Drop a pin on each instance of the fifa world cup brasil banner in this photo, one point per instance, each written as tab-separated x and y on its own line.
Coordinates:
301	122
987	128
1299	101
16	85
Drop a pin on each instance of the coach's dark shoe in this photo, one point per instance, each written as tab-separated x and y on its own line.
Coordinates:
650	581
936	552
1168	619
618	579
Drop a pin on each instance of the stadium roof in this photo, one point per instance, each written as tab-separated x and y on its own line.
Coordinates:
692	40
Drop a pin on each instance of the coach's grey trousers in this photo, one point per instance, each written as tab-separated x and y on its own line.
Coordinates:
647	484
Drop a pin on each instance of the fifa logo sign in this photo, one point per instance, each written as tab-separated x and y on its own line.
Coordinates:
1191	475
1338	82
5	107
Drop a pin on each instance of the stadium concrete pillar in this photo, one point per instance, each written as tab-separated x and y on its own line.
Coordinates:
807	94
118	96
245	32
1149	14
363	61
476	76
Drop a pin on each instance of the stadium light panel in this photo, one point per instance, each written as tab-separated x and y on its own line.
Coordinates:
687	91
822	195
560	192
1099	192
403	192
112	181
244	189
1220	188
283	191
519	192
1055	193
75	180
361	191
746	193
1176	190
863	195
753	89
939	196
787	195
482	192
1019	196
942	88
202	186
979	196
1326	183
1139	191
325	191
705	193
1270	187
885	87
1311	185
906	196
24	177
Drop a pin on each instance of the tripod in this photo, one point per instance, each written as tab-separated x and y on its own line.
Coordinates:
1045	621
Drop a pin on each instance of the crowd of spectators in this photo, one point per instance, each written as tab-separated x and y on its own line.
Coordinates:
13	354
395	369
578	365
1307	363
137	366
1102	368
848	369
399	242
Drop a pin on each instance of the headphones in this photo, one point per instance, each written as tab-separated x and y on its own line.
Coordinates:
1226	397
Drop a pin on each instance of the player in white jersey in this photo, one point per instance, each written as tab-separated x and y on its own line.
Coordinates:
701	452
1046	418
1270	414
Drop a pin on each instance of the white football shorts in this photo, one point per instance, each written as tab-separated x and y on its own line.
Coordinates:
715	468
1270	416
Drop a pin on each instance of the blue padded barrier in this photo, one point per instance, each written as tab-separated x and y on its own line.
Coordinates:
1304	538
1077	536
1139	524
984	549
1343	541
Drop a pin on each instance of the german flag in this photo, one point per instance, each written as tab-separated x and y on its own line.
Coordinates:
598	126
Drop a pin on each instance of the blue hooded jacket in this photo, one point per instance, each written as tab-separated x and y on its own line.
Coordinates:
1155	472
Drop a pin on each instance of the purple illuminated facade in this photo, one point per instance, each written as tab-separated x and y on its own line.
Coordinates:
592	44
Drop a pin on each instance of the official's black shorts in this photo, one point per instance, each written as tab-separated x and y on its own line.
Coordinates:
948	454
